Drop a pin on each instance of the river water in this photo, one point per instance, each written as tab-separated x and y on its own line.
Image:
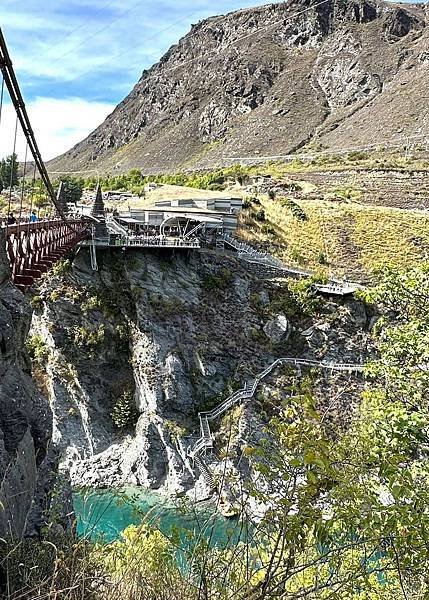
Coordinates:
103	515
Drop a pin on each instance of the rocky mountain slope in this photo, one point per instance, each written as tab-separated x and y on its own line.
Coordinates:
174	336
269	80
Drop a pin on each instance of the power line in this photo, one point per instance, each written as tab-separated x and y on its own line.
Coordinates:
69	35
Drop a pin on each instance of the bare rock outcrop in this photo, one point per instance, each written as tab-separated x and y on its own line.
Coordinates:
266	81
27	463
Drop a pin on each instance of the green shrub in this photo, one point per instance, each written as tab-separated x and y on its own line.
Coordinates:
37	349
86	338
91	303
221	281
357	156
295	209
321	259
124	413
260	215
62	267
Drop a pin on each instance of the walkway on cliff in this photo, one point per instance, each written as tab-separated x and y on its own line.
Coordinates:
246	252
205	441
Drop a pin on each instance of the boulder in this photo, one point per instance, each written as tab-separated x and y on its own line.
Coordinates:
278	329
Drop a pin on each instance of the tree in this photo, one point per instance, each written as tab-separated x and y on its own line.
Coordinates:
9	171
73	187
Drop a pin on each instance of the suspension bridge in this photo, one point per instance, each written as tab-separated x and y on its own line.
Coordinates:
34	245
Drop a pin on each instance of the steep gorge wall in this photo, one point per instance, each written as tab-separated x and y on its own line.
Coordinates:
27	462
178	333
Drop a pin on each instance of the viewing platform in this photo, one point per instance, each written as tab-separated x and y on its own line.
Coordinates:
115	241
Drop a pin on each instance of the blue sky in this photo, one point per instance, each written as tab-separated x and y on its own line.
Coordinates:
76	59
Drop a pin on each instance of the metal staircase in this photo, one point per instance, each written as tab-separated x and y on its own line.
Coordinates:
250	254
205	441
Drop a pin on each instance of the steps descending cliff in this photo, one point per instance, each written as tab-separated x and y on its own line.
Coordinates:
155	339
268	80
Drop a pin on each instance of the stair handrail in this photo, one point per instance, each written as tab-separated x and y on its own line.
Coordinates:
206	439
252	255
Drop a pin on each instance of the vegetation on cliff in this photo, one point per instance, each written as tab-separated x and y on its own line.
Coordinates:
345	511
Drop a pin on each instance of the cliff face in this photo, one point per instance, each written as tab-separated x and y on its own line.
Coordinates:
268	80
27	463
174	335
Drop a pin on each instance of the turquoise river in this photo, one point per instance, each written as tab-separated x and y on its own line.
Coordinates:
103	515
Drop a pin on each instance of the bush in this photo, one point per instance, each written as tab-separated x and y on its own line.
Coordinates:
357	156
62	267
221	281
321	259
260	215
88	338
37	349
295	209
124	413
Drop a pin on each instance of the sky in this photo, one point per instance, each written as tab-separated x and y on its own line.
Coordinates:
76	59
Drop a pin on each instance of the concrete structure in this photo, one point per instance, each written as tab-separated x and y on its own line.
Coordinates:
184	216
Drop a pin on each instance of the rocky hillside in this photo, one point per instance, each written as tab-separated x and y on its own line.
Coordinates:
129	355
269	80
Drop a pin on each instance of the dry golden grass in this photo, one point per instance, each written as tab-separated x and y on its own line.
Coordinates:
354	239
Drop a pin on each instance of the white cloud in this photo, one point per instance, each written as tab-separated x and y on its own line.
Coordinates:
57	124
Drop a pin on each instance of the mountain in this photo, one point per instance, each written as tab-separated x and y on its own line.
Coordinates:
268	81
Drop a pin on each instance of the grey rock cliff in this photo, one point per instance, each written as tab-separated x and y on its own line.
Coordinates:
177	334
27	464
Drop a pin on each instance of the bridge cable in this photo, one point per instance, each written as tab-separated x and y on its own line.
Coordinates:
1	97
33	183
12	85
21	202
12	166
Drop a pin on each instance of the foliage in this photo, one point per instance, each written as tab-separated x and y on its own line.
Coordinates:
346	514
62	268
9	172
295	209
73	187
217	282
298	299
37	349
88	339
207	180
124	413
174	429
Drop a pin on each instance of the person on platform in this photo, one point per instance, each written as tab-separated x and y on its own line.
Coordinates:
11	219
33	217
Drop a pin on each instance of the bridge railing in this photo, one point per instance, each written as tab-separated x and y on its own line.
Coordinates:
33	247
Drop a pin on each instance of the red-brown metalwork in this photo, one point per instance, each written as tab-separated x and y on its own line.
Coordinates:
33	248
